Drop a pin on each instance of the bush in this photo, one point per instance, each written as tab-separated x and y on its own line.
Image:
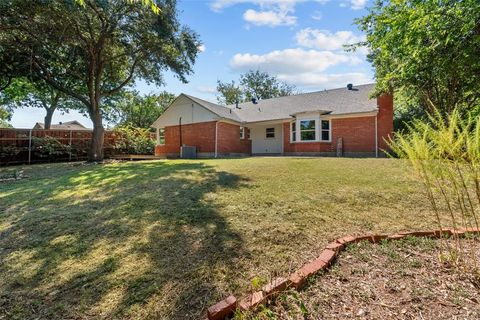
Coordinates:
8	151
49	147
130	140
445	152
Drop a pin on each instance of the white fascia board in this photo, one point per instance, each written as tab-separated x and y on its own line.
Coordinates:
350	115
231	121
267	122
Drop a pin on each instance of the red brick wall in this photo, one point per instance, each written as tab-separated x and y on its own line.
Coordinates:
385	120
358	136
229	139
200	135
358	133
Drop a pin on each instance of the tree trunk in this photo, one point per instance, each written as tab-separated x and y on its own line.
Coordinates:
54	98
96	148
48	118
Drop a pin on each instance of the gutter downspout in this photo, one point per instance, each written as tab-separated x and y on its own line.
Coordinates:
376	136
180	129
216	139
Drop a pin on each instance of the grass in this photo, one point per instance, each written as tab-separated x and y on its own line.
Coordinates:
166	239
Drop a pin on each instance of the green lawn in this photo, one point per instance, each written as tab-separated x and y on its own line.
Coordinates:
166	239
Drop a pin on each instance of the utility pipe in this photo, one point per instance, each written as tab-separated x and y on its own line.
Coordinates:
376	136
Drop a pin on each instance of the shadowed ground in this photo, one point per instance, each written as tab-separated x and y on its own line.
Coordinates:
166	239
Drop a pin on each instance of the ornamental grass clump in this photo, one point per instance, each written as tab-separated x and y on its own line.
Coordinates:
445	152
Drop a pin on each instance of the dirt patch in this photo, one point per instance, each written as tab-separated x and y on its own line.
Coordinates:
395	280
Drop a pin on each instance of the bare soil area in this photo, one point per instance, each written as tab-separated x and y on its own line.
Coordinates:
393	280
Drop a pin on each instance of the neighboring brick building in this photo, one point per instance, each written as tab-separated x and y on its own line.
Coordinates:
338	122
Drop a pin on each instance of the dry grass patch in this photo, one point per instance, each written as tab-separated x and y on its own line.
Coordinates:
394	280
167	239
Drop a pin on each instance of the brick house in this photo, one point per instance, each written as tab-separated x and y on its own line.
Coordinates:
342	121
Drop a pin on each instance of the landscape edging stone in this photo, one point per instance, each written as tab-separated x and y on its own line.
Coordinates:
226	307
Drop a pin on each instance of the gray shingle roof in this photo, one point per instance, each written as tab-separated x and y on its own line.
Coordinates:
335	101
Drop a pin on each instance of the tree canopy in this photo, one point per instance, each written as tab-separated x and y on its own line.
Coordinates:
5	116
22	93
253	84
150	3
428	48
133	110
91	52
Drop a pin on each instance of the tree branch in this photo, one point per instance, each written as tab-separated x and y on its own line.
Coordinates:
124	83
45	75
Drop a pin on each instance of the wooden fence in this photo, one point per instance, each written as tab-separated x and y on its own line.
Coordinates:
38	145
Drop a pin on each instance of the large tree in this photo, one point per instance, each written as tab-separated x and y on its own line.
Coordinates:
229	93
134	110
91	53
22	93
428	48
253	84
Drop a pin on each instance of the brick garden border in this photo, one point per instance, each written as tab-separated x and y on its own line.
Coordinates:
228	306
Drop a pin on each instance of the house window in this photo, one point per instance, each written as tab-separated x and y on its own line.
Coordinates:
247	132
161	136
307	130
270	133
325	130
293	130
242	132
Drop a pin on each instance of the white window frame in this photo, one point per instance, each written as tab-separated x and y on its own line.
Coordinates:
329	130
161	133
295	137
274	133
314	130
242	133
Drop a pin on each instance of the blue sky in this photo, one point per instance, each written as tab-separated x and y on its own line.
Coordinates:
298	41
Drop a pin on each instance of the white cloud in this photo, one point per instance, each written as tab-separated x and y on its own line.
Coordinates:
291	61
270	18
219	5
202	48
323	39
325	80
271	12
317	15
305	68
357	4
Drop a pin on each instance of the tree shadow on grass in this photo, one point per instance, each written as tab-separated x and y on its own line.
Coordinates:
132	240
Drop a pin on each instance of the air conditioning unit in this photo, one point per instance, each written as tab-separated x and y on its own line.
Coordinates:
188	152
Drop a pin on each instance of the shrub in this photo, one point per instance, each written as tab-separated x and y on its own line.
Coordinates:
8	151
445	152
130	140
49	147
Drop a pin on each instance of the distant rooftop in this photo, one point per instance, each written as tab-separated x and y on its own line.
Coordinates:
69	125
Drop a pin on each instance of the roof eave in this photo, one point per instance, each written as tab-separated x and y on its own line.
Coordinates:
311	111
